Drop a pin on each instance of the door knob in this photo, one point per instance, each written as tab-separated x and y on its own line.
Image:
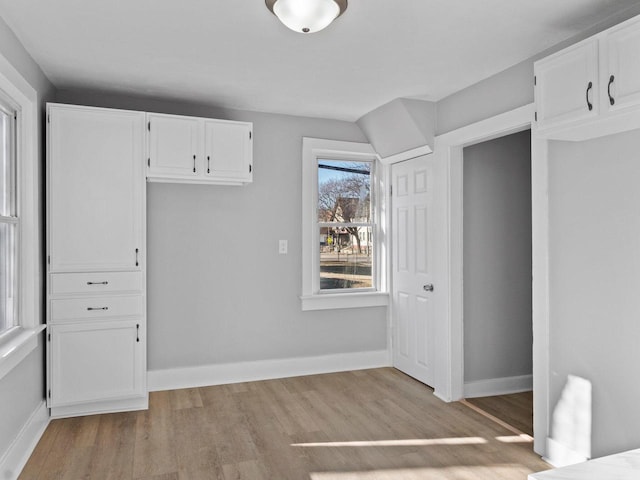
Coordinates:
428	287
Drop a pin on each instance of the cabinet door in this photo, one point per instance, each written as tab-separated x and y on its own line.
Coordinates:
228	151
96	361
96	189
174	146
621	79
567	85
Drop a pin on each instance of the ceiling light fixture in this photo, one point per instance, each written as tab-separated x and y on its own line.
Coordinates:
307	16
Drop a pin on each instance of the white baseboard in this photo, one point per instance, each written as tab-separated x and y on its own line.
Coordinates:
200	376
14	459
559	455
498	386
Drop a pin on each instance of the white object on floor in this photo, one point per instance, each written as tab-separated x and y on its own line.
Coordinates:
621	466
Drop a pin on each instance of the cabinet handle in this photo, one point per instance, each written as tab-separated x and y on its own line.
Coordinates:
137	332
611	99
97	308
208	164
97	283
194	164
137	262
589	104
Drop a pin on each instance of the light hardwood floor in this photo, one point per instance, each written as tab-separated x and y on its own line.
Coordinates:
516	409
362	425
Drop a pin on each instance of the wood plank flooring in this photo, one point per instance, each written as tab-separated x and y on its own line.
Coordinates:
362	425
516	409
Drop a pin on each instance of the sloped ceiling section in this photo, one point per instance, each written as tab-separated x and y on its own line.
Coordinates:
399	126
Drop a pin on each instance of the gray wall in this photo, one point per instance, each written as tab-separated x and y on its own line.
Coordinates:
22	390
497	258
400	125
595	280
506	90
218	291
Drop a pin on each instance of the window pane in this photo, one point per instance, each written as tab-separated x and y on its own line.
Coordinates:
6	165
344	191
345	257
7	276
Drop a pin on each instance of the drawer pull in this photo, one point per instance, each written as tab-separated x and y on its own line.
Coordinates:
97	283
97	308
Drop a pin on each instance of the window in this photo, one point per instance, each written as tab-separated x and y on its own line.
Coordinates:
9	221
345	225
343	247
20	248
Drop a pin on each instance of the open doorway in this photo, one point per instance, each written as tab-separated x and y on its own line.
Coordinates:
497	293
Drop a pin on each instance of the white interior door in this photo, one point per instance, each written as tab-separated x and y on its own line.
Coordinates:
412	266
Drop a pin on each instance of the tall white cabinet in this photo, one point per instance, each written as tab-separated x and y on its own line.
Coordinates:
96	260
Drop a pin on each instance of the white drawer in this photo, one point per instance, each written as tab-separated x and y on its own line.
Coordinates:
105	282
107	306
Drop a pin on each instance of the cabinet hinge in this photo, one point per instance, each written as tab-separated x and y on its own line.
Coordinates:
149	126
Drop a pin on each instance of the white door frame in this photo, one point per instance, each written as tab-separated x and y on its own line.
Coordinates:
449	361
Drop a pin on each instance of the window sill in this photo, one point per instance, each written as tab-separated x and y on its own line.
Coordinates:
344	300
15	345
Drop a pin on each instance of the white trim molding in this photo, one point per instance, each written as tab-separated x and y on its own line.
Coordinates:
449	361
18	343
498	386
311	297
205	375
16	457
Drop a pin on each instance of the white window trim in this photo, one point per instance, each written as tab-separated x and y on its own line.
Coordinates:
18	342
312	299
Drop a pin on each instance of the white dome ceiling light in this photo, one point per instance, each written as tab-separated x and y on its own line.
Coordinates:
307	16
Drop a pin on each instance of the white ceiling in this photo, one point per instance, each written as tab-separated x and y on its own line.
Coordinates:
235	53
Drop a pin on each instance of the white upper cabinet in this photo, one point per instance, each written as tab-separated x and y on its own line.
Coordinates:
228	150
591	89
567	85
174	145
96	181
621	48
199	150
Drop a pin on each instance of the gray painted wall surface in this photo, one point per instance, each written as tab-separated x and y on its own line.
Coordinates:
595	280
218	291
400	125
506	90
22	390
497	258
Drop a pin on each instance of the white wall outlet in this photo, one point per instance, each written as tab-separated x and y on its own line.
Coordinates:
283	246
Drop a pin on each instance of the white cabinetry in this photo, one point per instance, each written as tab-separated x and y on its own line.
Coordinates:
592	88
567	85
621	72
198	150
96	284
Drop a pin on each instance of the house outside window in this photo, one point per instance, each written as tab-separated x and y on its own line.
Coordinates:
343	248
345	225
